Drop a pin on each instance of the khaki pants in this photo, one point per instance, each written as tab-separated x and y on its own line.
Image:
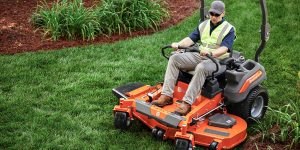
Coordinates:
187	61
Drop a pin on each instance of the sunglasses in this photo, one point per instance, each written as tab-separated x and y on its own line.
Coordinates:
214	14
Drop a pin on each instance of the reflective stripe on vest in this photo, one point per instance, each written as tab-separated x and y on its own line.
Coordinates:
213	41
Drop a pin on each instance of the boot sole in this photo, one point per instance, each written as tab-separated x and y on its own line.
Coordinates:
162	105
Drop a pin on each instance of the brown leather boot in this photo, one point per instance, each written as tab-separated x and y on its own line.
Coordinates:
162	101
183	109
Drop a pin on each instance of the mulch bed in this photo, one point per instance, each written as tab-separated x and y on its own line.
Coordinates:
18	35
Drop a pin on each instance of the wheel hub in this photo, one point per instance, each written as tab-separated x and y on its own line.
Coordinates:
257	107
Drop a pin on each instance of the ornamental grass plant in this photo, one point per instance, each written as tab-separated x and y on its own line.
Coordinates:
70	19
119	16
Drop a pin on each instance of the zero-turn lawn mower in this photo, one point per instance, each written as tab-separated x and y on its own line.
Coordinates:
230	98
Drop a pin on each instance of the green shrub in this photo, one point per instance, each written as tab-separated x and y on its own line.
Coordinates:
66	19
287	120
119	16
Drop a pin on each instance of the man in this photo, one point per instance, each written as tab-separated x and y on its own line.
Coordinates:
216	36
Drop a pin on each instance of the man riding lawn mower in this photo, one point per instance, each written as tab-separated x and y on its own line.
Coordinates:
216	36
209	92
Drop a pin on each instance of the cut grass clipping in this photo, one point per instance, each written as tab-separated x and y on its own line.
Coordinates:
71	19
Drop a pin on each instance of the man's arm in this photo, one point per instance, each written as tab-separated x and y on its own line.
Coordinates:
188	41
184	42
220	51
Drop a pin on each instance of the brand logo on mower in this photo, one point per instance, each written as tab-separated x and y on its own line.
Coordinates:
157	114
179	90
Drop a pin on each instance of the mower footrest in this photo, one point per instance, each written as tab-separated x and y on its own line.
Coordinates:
221	120
159	114
120	92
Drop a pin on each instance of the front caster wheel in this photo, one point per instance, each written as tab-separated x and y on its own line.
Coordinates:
122	120
213	145
160	134
154	131
183	144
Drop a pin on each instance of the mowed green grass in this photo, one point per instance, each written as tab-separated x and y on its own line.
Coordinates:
62	99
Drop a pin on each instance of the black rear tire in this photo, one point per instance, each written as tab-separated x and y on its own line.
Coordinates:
254	107
122	120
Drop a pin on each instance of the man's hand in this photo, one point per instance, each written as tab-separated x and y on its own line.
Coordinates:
184	42
205	52
175	45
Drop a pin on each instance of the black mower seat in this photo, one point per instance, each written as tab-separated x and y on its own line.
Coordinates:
186	76
222	69
235	56
210	87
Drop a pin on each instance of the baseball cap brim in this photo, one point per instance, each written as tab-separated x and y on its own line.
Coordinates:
215	11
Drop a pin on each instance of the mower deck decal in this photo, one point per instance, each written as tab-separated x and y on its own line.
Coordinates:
173	119
216	132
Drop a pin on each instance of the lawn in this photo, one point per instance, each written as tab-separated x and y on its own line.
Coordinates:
62	99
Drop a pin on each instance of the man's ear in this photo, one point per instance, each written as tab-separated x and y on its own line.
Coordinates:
223	14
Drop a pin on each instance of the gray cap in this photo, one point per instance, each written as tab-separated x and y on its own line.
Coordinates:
217	7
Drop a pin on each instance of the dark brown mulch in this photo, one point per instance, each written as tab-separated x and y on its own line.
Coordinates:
18	35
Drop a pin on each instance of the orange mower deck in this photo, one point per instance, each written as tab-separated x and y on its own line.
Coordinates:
195	127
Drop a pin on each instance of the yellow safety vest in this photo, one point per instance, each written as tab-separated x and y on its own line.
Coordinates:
213	41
